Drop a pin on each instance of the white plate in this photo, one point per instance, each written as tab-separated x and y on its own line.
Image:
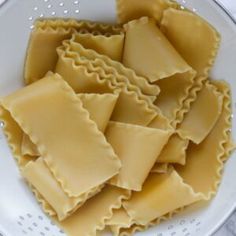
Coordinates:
19	212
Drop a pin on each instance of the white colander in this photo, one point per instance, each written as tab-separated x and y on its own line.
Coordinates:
20	214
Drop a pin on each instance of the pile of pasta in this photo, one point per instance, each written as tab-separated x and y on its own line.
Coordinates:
120	126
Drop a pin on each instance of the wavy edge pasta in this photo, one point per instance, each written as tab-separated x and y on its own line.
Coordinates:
216	35
112	84
132	77
71	95
226	134
121	15
193	92
56	23
146	20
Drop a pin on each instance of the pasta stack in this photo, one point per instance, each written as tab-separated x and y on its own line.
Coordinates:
120	125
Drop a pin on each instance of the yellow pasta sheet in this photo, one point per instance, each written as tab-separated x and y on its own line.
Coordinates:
109	66
149	53
45	205
153	202
131	9
178	26
203	114
99	106
49	99
92	216
131	107
138	148
109	45
91	102
188	100
208	156
175	90
38	174
174	151
48	34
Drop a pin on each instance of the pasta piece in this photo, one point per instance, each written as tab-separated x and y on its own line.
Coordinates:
208	156
202	116
92	216
135	144
153	201
131	9
174	91
86	58
174	151
80	79
106	104
110	66
91	102
48	35
178	26
46	207
111	46
191	97
32	102
131	110
160	168
39	175
84	26
149	53
129	107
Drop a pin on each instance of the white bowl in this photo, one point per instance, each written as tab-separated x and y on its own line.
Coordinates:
20	214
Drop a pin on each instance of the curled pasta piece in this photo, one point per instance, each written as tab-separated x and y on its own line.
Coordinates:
110	66
111	46
174	92
131	107
135	144
27	104
178	26
48	34
149	53
131	9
